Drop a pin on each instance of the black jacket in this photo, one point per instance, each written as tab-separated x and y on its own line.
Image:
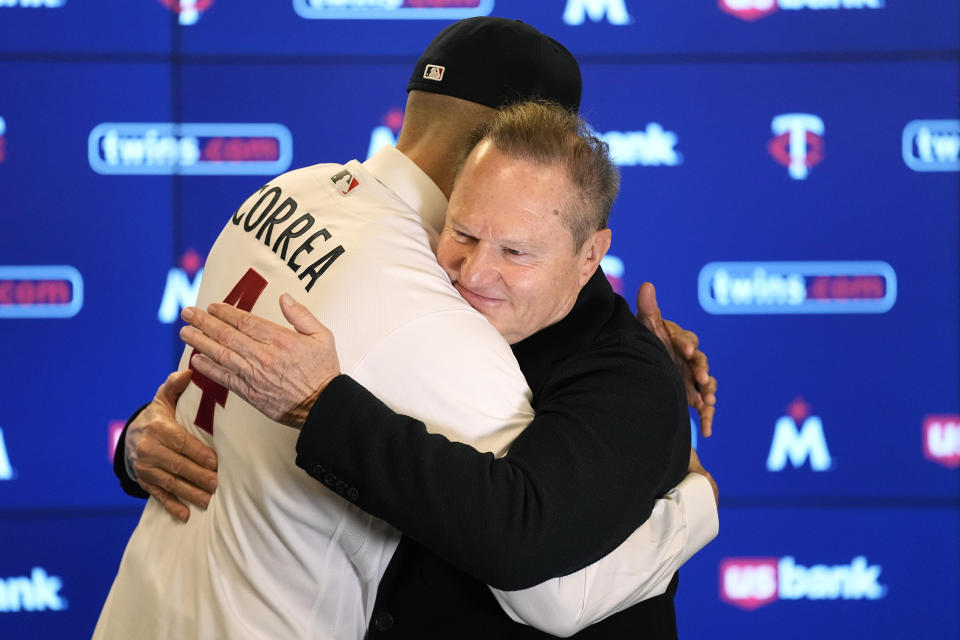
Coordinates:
611	435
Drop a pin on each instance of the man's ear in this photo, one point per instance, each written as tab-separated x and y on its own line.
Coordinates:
592	252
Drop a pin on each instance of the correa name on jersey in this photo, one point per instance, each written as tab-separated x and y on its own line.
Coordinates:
750	583
932	145
797	287
391	9
39	591
41	291
273	213
165	148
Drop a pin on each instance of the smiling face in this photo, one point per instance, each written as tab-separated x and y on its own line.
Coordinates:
506	246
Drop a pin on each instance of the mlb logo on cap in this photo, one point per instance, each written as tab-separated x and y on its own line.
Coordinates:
434	72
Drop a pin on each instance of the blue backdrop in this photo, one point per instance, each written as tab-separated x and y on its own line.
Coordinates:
790	183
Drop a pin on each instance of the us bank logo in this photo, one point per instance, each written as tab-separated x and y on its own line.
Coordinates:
39	591
181	288
653	146
941	440
799	438
932	145
797	287
751	583
188	11
165	148
752	10
797	143
40	291
391	9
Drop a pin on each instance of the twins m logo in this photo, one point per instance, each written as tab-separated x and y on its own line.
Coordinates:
798	436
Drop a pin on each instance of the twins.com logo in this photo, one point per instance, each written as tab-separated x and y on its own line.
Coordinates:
391	9
32	4
932	145
751	10
164	148
797	287
40	292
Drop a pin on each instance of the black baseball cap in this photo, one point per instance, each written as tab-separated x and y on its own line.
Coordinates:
495	62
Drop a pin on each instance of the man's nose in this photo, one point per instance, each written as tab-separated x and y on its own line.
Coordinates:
479	267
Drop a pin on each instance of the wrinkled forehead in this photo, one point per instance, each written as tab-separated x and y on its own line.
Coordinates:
515	203
486	160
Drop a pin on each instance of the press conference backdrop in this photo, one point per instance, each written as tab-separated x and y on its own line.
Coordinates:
790	183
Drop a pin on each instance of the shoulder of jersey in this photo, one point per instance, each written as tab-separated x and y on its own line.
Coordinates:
341	178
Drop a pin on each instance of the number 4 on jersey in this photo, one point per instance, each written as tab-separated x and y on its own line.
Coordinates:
243	296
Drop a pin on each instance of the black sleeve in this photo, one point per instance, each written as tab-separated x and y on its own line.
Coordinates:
611	438
129	486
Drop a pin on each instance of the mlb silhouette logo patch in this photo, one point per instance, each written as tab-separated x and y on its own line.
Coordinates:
434	72
345	182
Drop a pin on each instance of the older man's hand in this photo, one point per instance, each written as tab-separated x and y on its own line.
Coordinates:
279	371
682	346
169	463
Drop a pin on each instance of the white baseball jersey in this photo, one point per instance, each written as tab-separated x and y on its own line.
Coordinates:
277	554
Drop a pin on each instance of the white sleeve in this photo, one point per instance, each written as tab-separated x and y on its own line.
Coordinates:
682	523
455	373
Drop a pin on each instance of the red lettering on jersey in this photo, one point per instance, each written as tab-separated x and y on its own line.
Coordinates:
243	296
